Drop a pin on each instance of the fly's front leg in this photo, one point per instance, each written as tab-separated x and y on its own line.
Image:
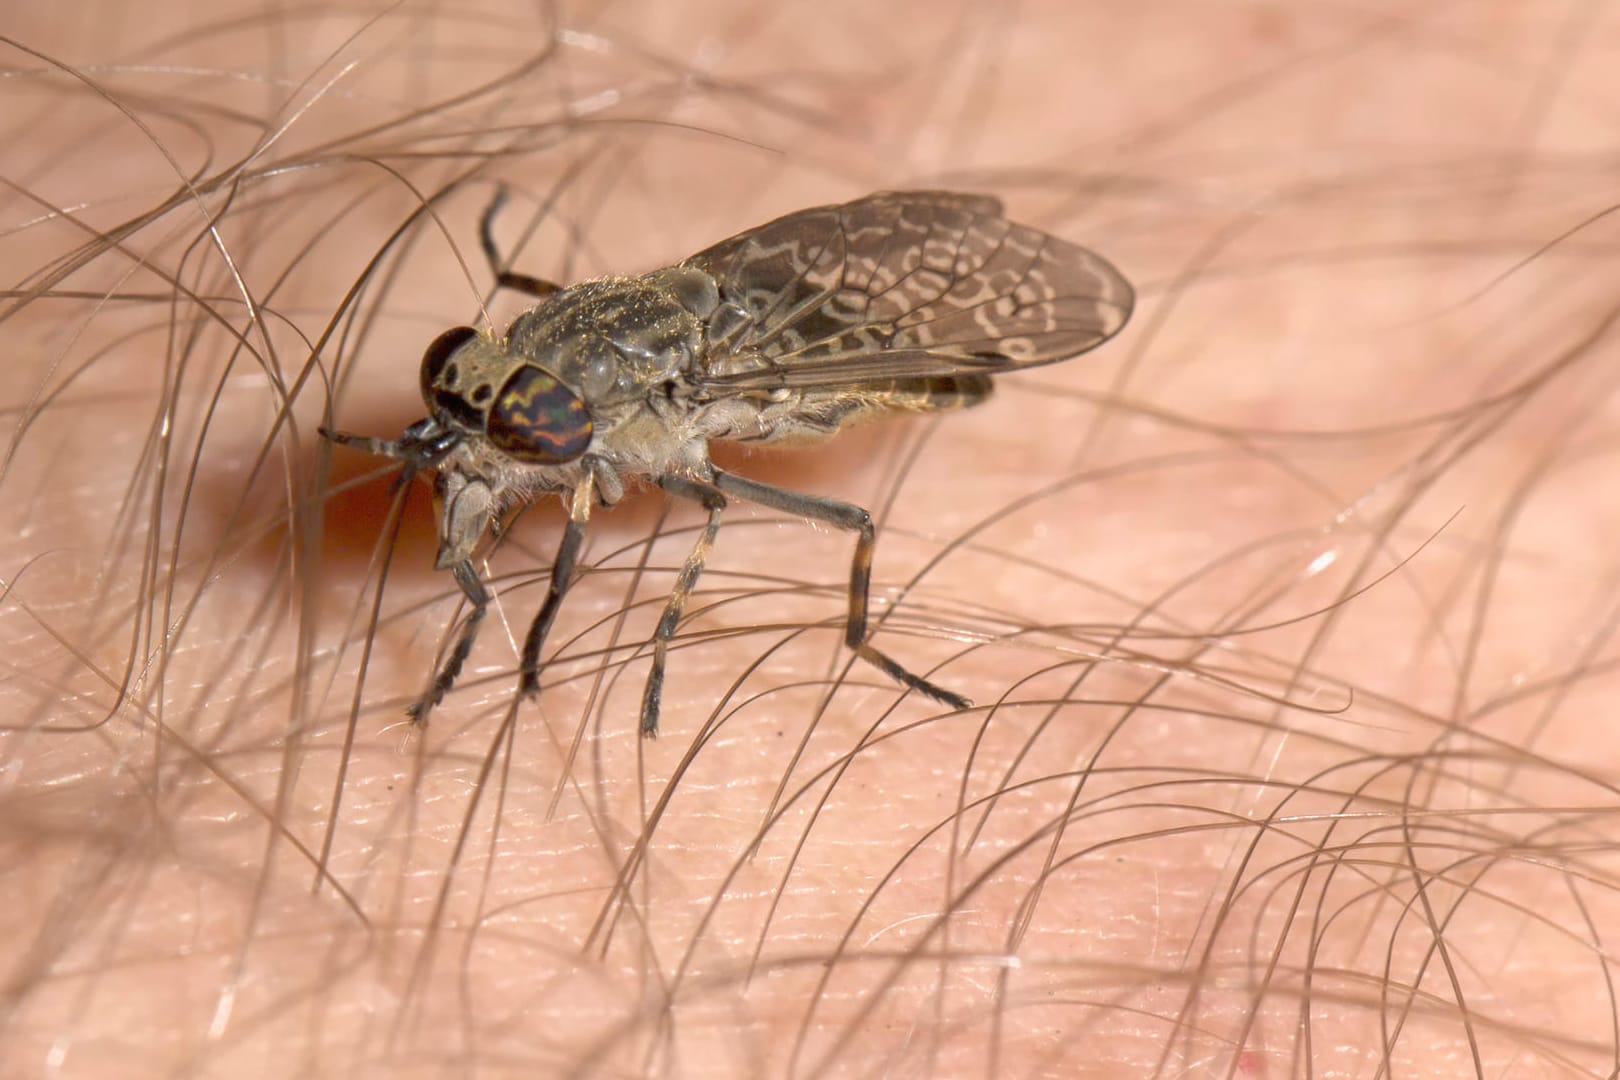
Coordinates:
714	503
423	445
366	443
478	597
562	575
853	519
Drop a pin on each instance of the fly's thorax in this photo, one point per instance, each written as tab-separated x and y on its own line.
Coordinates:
619	339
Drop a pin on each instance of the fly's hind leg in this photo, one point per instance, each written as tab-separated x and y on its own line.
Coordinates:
853	519
504	277
715	504
478	597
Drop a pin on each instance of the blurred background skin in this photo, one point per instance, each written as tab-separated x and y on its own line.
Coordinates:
1289	614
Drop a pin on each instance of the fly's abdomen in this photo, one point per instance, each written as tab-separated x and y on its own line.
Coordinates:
818	414
924	393
940	393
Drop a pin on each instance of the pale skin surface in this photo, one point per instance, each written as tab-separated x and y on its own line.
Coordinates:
1336	511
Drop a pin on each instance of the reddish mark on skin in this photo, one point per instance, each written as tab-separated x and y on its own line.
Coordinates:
1271	27
1250	1063
353	516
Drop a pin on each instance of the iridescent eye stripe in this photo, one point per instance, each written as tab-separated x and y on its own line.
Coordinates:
536	418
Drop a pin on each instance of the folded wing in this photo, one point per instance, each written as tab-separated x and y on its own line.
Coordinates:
900	285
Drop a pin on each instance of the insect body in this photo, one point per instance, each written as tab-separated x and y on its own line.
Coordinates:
901	301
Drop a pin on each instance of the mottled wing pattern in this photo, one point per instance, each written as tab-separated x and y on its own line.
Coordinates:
900	285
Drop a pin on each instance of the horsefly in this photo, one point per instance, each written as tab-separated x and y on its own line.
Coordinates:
901	302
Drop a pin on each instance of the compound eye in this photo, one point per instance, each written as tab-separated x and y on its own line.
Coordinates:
437	358
535	418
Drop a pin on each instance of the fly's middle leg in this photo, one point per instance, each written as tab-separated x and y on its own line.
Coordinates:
853	519
715	504
562	575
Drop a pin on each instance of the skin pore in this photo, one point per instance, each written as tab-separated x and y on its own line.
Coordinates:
1287	616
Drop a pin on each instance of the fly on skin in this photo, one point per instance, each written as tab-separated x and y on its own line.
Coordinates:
898	302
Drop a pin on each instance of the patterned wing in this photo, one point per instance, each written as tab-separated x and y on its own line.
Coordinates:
900	285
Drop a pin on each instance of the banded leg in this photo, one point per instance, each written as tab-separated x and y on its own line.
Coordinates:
478	597
715	504
851	518
423	445
504	277
562	575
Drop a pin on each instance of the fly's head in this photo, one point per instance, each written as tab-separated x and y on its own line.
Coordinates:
477	387
505	410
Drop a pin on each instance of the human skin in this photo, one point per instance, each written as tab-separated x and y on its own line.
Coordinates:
1286	615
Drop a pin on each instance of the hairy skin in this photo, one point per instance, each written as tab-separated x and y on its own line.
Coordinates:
1288	615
